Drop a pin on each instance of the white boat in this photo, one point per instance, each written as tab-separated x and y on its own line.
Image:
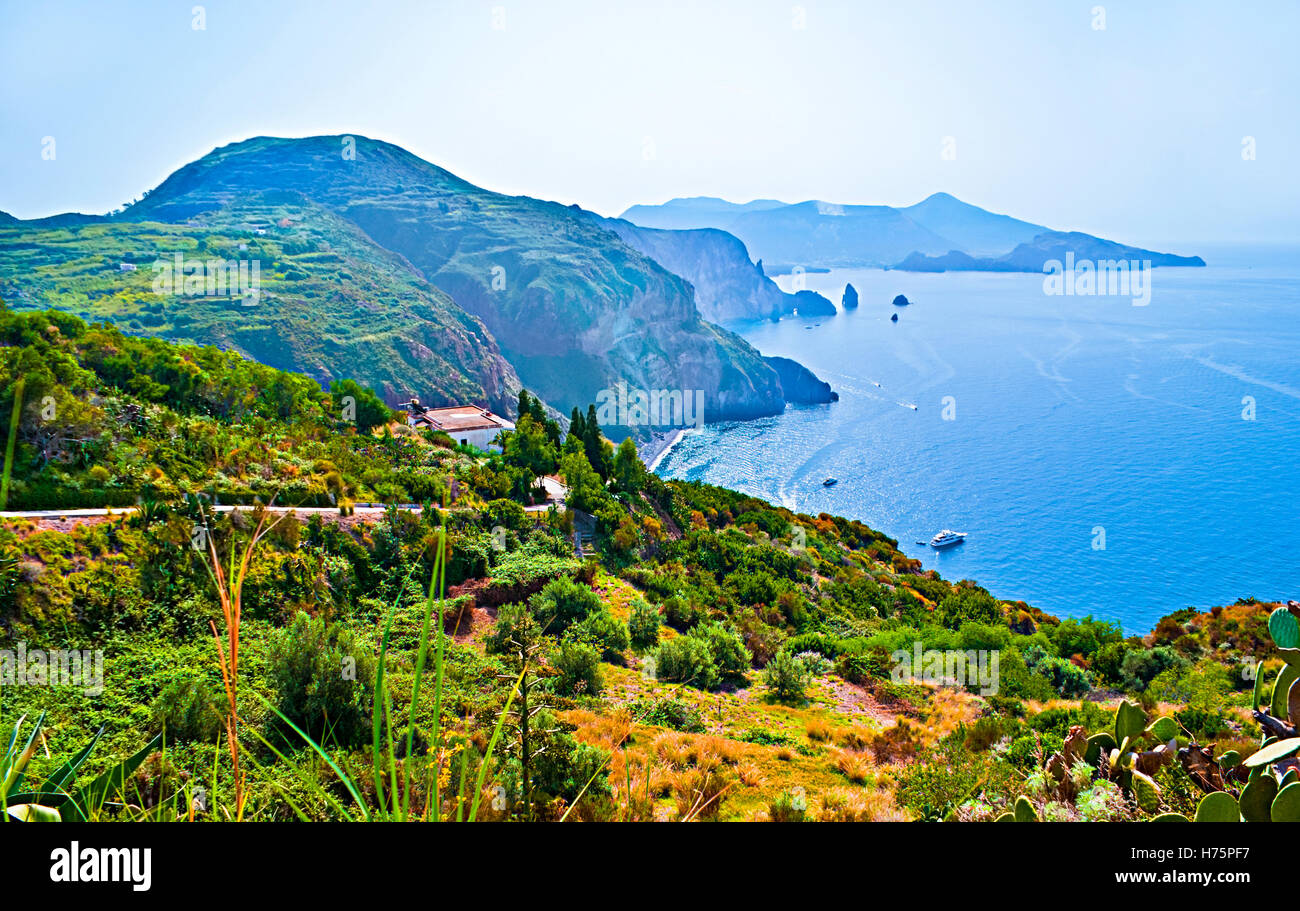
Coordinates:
947	538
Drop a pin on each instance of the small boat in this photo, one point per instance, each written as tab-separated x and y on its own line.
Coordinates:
830	482
947	538
894	318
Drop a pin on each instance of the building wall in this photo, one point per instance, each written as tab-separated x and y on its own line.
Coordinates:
479	438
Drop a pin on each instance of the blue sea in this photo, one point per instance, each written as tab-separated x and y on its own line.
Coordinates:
1101	456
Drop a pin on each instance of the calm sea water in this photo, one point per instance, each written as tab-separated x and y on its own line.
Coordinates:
1072	418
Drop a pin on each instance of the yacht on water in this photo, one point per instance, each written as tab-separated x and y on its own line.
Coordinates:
947	538
830	482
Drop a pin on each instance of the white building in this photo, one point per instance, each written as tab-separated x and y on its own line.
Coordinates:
468	425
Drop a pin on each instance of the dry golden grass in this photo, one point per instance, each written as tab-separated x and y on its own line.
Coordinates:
853	766
949	708
717	749
785	754
673	749
819	730
608	731
699	794
856	739
661	781
853	805
750	774
898	743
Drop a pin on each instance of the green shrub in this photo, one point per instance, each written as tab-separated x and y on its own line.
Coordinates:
764	738
1107	664
668	713
604	631
1142	666
189	709
816	663
827	646
939	780
562	603
787	807
324	678
985	732
686	659
726	648
863	668
786	677
578	664
680	613
643	626
497	640
1068	679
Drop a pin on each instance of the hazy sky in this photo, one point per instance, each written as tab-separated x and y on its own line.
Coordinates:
1134	131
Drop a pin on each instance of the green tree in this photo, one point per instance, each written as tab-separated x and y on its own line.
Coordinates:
586	489
574	441
527	447
604	631
629	472
563	603
686	659
579	666
532	406
370	410
593	444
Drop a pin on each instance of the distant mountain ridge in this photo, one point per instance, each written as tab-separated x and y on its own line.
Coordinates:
1048	247
939	232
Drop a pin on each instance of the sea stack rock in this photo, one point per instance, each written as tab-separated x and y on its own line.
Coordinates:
894	318
901	301
850	298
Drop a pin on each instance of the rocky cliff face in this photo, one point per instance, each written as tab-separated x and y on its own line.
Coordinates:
800	384
728	285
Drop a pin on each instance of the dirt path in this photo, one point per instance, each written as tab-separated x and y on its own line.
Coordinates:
851	699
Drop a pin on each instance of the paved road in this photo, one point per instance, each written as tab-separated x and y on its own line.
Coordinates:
357	509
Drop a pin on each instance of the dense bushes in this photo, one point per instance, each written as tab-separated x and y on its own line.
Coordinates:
710	654
604	632
578	666
563	603
1142	666
686	659
324	678
188	709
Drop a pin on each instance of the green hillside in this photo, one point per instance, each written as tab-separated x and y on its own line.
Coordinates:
704	655
574	309
333	304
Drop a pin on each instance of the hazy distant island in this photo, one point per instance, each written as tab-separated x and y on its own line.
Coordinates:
1045	248
940	233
